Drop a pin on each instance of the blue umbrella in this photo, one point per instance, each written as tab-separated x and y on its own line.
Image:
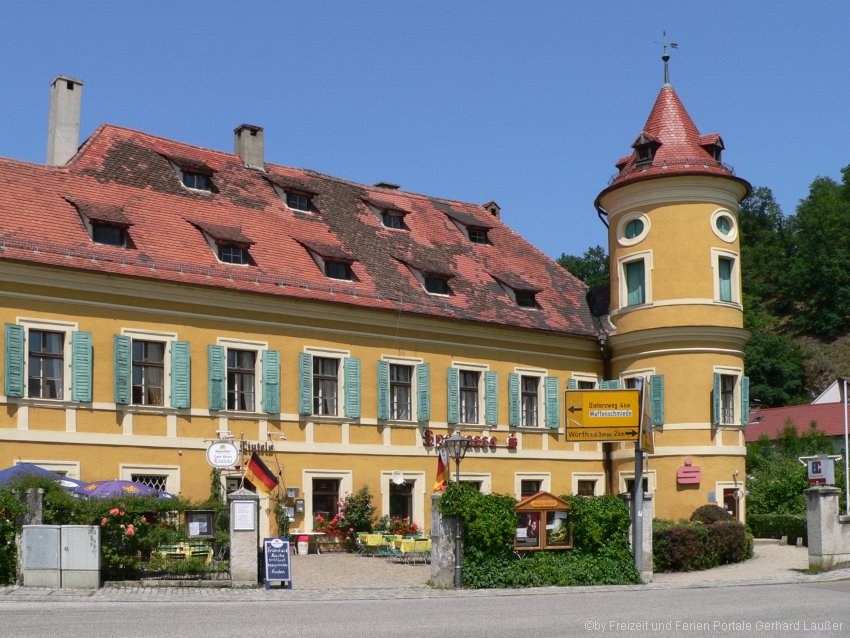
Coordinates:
115	489
22	470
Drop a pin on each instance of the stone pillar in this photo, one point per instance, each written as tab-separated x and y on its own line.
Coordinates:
33	500
829	533
645	568
244	538
442	545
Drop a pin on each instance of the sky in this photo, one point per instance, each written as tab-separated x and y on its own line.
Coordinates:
525	103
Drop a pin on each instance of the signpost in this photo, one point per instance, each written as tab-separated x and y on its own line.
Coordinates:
276	562
602	415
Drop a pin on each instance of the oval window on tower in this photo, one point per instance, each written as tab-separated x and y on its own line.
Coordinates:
723	225
632	228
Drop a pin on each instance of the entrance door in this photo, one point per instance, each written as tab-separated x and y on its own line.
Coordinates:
731	502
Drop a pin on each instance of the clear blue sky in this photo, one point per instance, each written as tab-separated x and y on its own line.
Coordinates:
527	103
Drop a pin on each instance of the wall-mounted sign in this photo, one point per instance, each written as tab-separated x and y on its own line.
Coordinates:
222	454
688	474
263	449
821	470
543	522
429	439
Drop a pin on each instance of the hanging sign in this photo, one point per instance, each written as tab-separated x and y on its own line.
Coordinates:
222	454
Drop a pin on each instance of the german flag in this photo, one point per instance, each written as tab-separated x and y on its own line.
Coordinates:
442	470
260	475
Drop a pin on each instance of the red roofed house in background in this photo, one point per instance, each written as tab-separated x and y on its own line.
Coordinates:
157	296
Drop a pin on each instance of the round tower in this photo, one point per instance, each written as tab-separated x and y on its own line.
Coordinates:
676	319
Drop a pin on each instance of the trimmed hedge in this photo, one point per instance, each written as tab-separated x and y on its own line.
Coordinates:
778	525
600	536
690	546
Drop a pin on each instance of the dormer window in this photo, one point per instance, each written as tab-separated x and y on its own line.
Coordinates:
713	144
478	235
393	219
299	201
230	254
338	270
196	181
526	298
645	147
437	285
108	234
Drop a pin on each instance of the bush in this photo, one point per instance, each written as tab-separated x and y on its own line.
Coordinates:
778	525
694	545
729	542
10	509
600	536
709	514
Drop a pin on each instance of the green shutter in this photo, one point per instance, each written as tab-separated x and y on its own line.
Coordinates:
635	283
553	418
423	391
513	399
572	384
81	366
13	362
383	390
656	398
305	383
724	267
181	375
610	384
217	383
453	412
271	381
352	388
715	400
122	348
491	398
745	400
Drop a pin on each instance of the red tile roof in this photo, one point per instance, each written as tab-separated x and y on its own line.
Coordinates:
680	148
120	169
829	418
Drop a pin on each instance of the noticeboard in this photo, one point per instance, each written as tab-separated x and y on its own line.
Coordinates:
543	522
276	562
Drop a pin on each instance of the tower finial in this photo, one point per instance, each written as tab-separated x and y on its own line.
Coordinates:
665	57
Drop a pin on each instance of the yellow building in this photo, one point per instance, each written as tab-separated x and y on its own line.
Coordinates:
158	296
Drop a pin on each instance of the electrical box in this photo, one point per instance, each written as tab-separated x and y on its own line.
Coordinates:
41	562
80	556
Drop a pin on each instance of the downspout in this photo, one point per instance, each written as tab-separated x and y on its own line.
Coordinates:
607	447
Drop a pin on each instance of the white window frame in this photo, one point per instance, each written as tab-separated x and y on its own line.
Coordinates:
716	255
480	368
646	257
71	469
738	373
580	377
49	325
167	338
258	347
214	244
624	221
599	477
414	386
420	277
418	479
733	230
719	486
171	472
346	484
541	375
545	479
180	172
330	353
486	479
651	484
641	373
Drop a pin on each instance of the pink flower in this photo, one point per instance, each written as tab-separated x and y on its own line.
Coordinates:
144	520
103	522
131	531
121	526
114	511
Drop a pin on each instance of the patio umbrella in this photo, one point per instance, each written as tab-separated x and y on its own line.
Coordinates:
22	470
114	489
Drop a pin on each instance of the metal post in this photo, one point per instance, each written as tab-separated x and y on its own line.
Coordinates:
846	455
458	566
637	495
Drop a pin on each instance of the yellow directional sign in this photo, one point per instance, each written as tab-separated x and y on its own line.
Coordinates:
579	434
602	415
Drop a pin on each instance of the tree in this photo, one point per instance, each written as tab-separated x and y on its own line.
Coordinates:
591	268
774	362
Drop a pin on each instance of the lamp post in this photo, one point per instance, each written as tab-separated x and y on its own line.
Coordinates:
456	445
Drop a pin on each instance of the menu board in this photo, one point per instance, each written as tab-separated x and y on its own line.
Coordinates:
244	516
276	560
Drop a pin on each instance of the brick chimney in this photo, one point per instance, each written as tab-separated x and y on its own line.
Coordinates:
63	129
248	144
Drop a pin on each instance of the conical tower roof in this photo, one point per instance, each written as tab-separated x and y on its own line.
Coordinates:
670	144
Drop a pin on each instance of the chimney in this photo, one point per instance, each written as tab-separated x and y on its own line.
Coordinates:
248	145
63	129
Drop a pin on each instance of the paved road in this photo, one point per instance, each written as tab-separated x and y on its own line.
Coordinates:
810	609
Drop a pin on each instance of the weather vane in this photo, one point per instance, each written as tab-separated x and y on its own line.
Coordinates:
666	56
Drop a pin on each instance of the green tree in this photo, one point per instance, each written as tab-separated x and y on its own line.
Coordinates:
774	363
591	268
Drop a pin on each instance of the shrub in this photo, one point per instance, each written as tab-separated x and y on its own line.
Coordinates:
396	525
777	525
682	548
598	522
709	514
10	509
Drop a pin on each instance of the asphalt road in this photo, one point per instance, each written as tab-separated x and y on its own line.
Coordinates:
811	609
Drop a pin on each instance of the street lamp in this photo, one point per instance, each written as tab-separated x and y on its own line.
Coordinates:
456	445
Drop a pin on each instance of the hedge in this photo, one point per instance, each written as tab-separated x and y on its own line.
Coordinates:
778	525
688	546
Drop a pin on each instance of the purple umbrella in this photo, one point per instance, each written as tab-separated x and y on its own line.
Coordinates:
114	489
22	470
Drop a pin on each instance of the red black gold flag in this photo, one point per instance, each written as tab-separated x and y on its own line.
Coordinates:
260	475
442	470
